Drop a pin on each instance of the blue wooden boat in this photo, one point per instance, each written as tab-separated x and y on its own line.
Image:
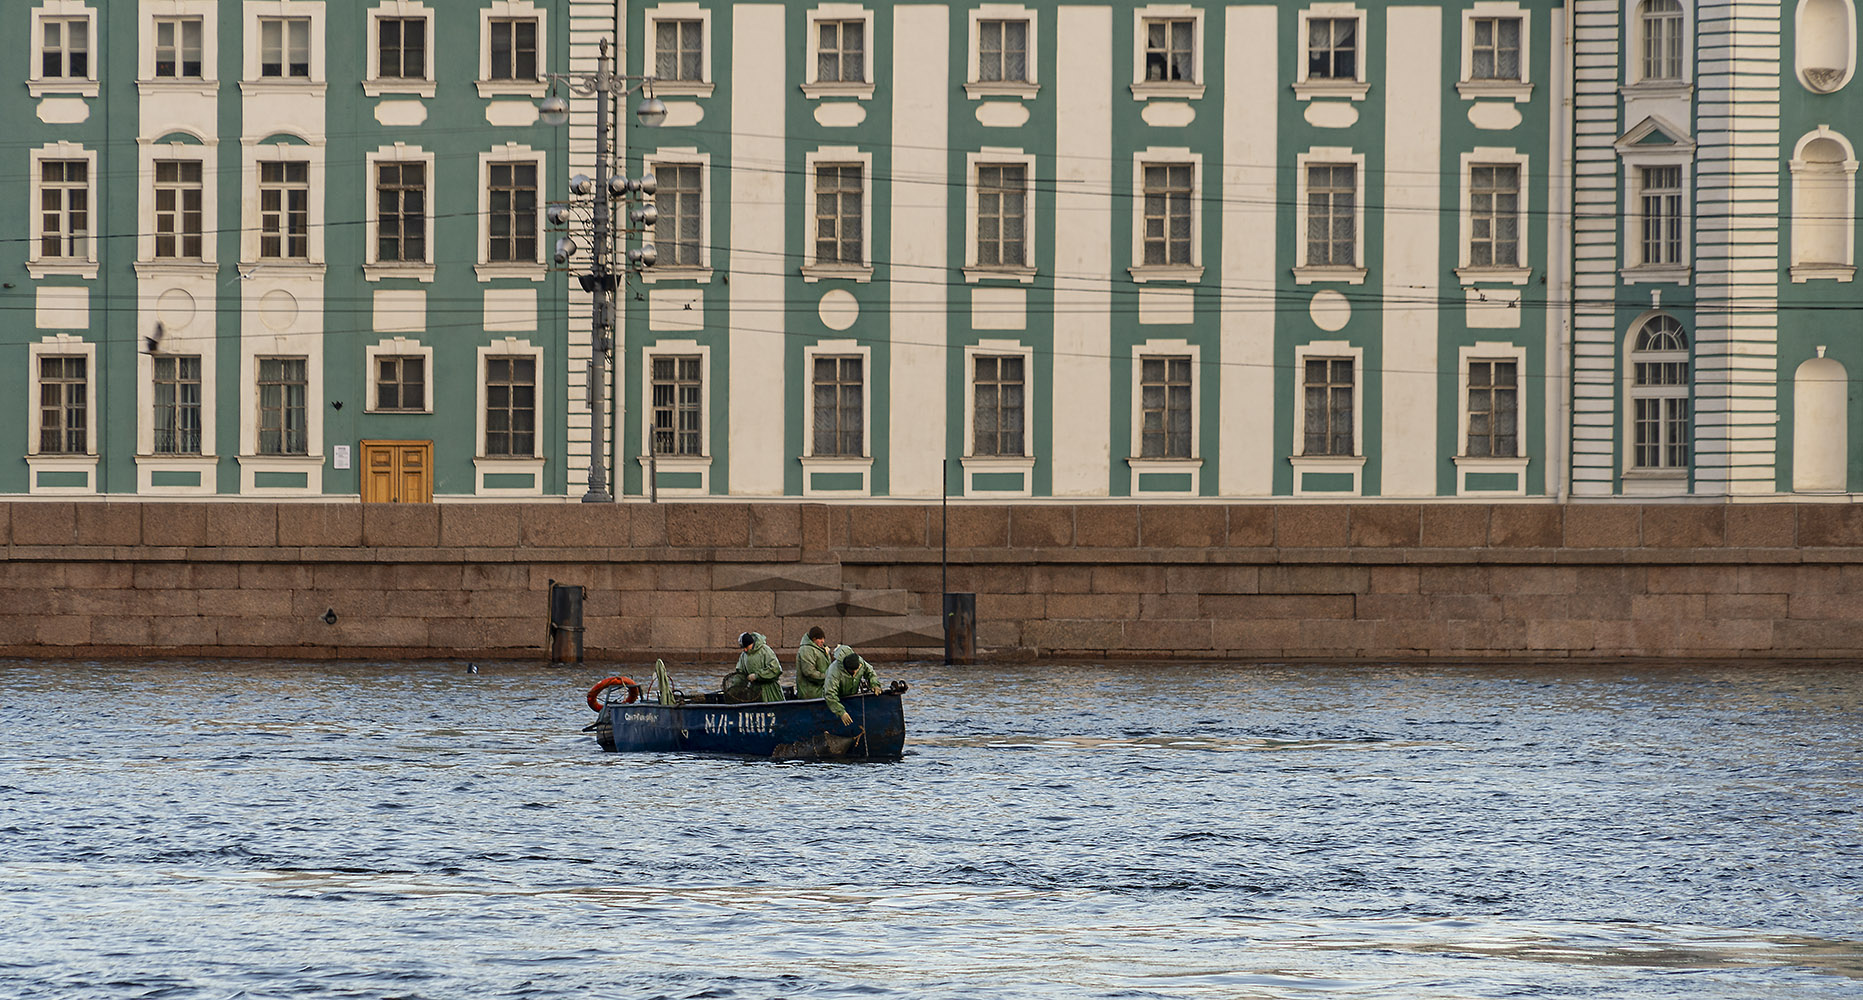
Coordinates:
796	729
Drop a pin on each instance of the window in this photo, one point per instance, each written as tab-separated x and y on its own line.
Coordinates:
1659	396
64	208
64	389
401	212
839	213
511	406
1328	391
1167	214
1495	43
1164	407
1660	203
1332	48
514	48
841	52
1332	215
997	401
400	383
401	48
679	233
1493	409
678	407
177	404
284	47
283	408
839	389
513	212
178	209
1002	215
1494	215
65	49
679	50
178	48
284	209
1003	51
1170	50
1662	25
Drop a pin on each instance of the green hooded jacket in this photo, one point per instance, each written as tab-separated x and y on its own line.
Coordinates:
811	667
760	671
847	673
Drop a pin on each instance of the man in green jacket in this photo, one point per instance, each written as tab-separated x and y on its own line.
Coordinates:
759	674
848	675
812	664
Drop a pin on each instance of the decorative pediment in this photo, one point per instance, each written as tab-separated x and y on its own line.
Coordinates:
1653	134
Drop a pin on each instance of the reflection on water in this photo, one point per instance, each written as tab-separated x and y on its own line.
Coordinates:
172	829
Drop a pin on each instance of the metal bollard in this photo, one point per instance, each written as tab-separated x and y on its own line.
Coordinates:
565	640
960	628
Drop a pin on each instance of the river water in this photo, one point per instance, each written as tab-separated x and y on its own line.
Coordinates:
247	829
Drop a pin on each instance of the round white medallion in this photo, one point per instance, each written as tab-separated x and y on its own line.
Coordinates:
839	309
278	309
1330	310
175	308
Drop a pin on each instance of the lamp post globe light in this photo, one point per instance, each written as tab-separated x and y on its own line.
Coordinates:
593	198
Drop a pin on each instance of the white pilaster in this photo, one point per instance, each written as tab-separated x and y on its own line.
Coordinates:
758	320
1082	337
1249	193
921	105
1412	200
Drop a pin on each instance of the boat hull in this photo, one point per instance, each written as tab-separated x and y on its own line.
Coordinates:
801	729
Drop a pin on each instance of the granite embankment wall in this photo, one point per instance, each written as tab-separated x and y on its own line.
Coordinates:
1247	581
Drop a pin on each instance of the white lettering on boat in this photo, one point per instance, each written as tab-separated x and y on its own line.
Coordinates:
744	722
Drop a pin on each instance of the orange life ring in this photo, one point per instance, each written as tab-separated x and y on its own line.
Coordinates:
595	693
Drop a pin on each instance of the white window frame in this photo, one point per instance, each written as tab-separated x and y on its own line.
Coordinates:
974	464
1145	90
650	53
701	464
990	156
1522	269
1139	464
252	154
38	85
1470	88
1466	465
375	85
63	344
1141	272
1802	205
813	271
373	267
487	269
256	11
974	86
208	154
500	10
1307	274
812	87
1662	479
148	461
207	13
861	465
1634	80
687	156
1302	463
1634	158
1306	89
37	265
483	464
404	347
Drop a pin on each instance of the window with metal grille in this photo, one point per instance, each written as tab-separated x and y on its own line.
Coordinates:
1493	409
284	47
514	48
511	406
1494	215
1332	215
679	50
1332	48
679	232
1003	51
64	420
997	402
839	214
400	383
1661	22
1002	215
678	405
841	52
401	48
1170	50
513	205
64	208
1328	390
1496	48
1164	407
1659	396
1660	196
178	208
178	48
840	388
284	209
1168	190
401	212
284	424
65	48
177	404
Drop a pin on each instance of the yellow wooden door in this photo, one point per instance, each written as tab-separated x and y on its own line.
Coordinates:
397	471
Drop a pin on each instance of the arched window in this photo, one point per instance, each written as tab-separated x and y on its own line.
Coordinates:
1823	207
1659	396
1662	28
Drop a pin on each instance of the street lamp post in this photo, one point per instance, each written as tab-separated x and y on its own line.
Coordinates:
598	193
